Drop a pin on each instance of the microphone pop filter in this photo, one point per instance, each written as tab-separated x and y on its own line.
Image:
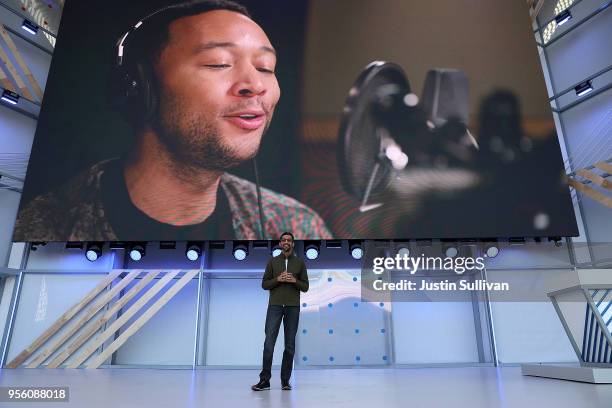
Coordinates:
361	134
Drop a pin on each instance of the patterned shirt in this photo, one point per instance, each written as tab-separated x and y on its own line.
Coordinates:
76	212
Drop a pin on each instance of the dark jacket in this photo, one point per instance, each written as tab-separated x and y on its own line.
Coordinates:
285	293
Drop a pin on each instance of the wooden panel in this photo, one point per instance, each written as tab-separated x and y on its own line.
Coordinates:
5	81
84	319
23	89
594	194
9	41
537	8
145	317
116	325
595	178
92	328
607	167
23	356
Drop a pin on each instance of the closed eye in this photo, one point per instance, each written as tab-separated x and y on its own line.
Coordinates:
217	66
266	70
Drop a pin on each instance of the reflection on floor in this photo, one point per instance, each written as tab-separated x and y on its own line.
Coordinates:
472	387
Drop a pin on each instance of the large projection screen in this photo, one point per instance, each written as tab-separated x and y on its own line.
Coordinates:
344	119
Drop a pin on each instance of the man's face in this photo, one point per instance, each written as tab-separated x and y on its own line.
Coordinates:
218	89
286	244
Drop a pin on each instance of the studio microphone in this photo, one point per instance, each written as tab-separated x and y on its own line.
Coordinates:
445	96
392	142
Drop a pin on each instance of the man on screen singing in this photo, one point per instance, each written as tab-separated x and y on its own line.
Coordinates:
285	277
196	80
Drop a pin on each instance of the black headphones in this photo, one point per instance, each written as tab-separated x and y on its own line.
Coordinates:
133	89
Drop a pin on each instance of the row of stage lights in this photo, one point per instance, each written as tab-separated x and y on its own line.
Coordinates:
312	250
240	251
193	251
136	252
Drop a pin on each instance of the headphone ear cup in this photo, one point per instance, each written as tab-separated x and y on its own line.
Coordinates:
125	94
147	91
133	93
121	88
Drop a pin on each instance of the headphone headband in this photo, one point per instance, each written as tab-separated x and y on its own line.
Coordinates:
120	43
134	91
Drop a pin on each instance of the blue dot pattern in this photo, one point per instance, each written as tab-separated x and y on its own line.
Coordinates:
357	358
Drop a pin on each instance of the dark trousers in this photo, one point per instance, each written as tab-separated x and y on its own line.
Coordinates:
290	315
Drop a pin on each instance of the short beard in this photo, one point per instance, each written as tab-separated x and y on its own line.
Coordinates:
193	140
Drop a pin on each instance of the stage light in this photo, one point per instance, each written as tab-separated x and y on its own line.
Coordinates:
276	251
241	251
492	251
311	251
403	250
193	251
10	97
583	88
563	17
137	251
356	251
451	252
93	251
30	27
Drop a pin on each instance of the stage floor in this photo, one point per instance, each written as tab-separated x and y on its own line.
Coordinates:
472	387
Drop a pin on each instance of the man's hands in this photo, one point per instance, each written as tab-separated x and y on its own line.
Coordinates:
286	277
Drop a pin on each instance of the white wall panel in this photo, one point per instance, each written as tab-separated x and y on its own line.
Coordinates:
530	331
9	202
237	316
16	131
582	52
434	332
